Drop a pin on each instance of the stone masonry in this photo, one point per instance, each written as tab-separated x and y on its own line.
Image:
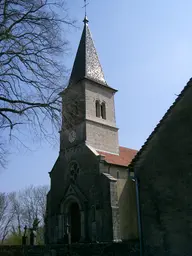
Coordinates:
164	169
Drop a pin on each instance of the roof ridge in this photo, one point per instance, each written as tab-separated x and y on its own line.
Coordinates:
128	148
161	122
109	176
107	152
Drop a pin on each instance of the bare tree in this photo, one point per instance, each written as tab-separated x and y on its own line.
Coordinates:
16	211
31	70
40	195
3	153
28	205
6	216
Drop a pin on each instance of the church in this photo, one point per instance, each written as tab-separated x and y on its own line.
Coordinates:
91	197
163	176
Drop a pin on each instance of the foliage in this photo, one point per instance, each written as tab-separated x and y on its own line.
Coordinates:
16	239
13	239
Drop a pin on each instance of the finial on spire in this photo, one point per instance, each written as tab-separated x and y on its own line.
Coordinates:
85	6
85	20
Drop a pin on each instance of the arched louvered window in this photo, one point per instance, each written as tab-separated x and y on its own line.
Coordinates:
103	110
97	108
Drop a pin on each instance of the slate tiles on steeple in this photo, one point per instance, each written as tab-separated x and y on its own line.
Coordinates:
86	64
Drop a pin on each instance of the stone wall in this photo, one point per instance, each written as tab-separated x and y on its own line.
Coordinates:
127	209
102	137
102	249
164	170
101	133
125	193
95	92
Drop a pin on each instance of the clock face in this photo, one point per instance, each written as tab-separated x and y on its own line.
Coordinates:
72	136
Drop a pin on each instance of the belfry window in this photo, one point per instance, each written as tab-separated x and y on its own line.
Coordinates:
97	107
103	110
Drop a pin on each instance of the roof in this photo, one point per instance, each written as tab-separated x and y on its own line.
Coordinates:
110	177
86	64
161	122
123	159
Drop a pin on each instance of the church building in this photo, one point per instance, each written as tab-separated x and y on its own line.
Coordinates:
162	170
91	197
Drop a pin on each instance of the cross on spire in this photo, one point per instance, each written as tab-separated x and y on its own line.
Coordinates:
85	6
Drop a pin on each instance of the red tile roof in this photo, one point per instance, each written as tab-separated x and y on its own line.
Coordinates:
124	158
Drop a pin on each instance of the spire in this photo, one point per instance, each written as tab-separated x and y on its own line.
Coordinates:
85	20
86	64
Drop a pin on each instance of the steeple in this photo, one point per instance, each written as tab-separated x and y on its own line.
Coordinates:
90	113
86	64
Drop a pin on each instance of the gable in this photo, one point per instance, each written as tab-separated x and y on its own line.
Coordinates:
160	124
73	190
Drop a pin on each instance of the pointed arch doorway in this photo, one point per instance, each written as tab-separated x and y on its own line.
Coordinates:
75	222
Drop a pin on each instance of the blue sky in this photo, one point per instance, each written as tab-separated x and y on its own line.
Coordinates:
145	48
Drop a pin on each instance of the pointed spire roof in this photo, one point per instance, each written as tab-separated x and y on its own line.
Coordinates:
86	64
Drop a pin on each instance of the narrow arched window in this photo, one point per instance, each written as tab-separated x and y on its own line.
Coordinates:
103	110
117	174
97	108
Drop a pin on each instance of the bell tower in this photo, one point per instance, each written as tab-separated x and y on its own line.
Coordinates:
88	109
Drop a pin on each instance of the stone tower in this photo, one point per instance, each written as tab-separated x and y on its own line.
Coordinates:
89	180
88	102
